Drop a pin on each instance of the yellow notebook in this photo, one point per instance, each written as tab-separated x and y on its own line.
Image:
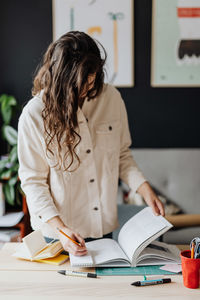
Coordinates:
58	260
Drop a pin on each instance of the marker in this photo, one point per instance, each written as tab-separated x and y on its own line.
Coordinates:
78	274
151	282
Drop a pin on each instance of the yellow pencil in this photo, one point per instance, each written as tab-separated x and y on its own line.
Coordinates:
192	250
68	237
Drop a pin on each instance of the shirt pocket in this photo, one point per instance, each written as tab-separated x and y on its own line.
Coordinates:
108	135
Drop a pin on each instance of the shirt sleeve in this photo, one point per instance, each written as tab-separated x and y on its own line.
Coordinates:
128	169
34	169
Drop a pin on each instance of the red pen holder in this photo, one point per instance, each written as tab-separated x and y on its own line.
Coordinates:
190	270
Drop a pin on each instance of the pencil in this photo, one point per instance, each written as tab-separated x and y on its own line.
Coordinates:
192	250
68	237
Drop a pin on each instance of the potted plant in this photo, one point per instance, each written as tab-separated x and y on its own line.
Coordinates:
9	163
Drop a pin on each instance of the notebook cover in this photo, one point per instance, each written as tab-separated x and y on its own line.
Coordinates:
58	260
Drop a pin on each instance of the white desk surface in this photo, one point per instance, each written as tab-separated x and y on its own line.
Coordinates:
23	280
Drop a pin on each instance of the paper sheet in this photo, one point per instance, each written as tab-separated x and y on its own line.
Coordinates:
176	268
11	219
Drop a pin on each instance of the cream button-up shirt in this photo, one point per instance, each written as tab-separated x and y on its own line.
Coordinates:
84	199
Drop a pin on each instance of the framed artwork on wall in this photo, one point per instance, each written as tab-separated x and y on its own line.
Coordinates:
175	57
108	21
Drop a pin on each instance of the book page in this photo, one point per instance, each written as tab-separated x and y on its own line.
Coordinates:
159	253
22	252
140	230
50	250
105	250
34	242
100	252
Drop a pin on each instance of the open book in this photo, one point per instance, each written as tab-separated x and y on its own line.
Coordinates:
136	245
34	247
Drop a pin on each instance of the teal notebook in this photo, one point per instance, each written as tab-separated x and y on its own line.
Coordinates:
143	270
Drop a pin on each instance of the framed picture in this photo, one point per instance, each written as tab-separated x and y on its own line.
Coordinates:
108	21
175	43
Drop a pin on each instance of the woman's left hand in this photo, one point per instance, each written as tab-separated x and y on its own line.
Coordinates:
146	191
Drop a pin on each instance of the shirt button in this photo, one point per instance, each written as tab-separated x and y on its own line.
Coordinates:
88	151
92	180
40	217
95	208
110	128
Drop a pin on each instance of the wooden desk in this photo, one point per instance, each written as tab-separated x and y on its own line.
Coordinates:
44	282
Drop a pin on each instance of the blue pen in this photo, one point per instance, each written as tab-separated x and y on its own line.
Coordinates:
151	282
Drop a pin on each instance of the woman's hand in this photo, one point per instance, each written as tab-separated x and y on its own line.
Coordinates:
69	246
146	191
56	223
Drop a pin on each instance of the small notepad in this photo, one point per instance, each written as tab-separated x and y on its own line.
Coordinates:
34	247
76	261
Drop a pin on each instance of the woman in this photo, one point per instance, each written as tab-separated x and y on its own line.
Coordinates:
74	145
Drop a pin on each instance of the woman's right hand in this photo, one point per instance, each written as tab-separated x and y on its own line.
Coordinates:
68	245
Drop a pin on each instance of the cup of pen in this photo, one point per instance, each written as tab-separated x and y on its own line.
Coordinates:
190	270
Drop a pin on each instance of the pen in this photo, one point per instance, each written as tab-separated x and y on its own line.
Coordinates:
79	274
151	282
68	237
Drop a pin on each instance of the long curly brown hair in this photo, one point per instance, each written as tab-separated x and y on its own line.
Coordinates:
63	76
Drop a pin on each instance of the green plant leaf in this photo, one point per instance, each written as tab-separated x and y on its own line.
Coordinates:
7	114
15	167
10	134
9	193
13	155
13	180
5	175
18	198
3	163
18	193
10	100
2	98
7	102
